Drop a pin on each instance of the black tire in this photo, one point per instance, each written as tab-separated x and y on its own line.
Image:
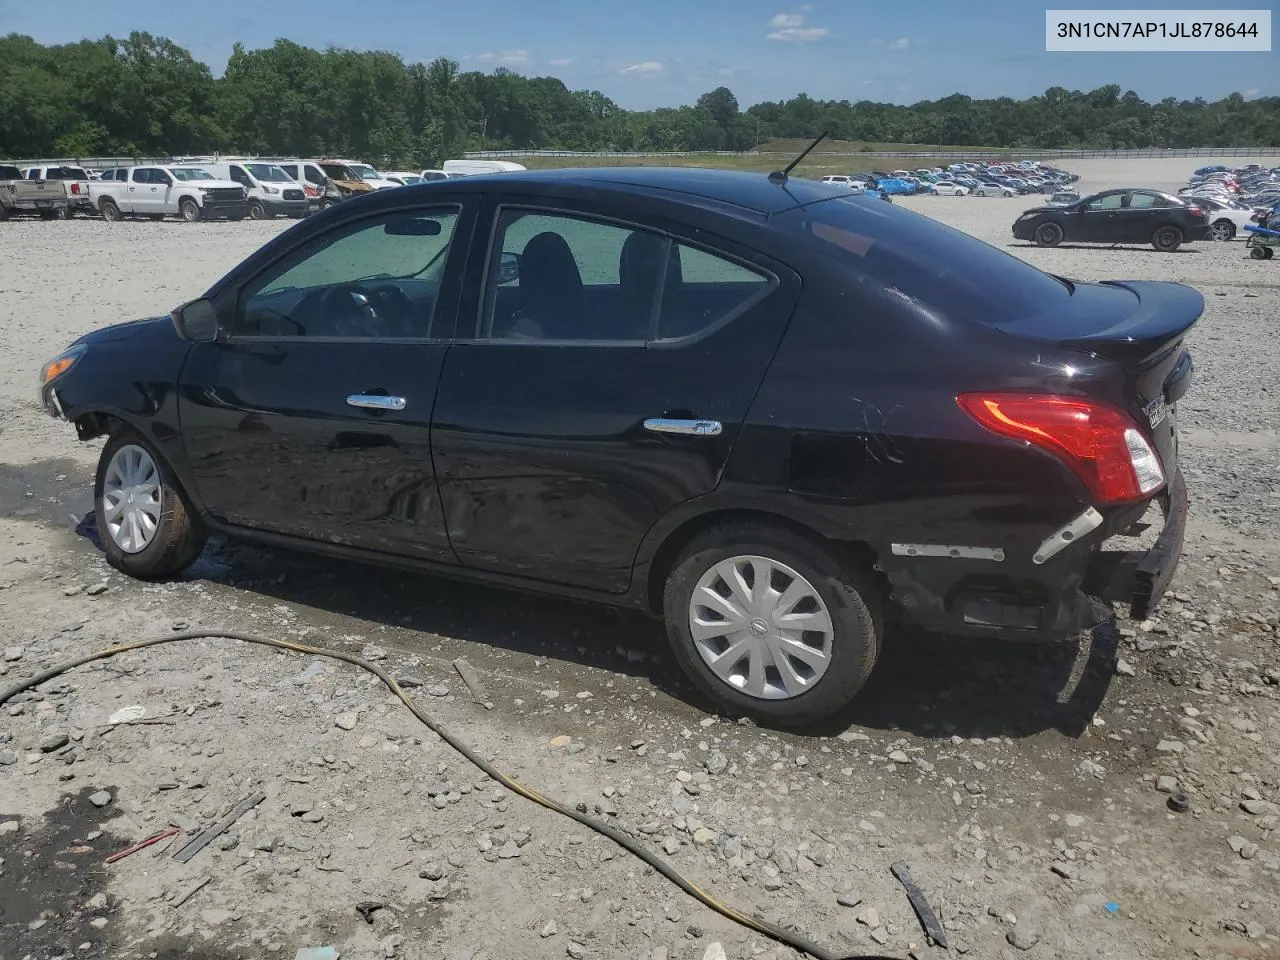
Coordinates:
66	213
179	535
1268	253
110	211
1222	230
852	601
1258	253
1166	239
256	210
1048	235
190	210
4	213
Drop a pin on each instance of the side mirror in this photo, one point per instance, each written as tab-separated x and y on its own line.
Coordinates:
196	321
509	269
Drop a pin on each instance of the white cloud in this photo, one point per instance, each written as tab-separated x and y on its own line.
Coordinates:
508	58
1251	93
561	61
900	44
648	68
790	28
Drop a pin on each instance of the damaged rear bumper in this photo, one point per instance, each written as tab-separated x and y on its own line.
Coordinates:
1140	578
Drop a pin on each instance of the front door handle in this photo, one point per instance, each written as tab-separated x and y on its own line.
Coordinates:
694	428
373	401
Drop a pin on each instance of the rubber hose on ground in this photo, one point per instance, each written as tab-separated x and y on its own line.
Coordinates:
773	931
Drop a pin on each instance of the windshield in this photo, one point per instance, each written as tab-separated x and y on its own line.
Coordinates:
190	173
365	172
926	263
267	173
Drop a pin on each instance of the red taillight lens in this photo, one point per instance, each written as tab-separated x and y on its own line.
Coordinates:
1195	211
75	189
1099	443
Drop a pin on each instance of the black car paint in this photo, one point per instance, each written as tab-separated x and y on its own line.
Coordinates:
1079	224
530	468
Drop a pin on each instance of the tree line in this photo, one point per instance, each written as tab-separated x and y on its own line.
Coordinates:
146	95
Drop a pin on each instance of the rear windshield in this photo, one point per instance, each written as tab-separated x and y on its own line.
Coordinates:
65	173
926	262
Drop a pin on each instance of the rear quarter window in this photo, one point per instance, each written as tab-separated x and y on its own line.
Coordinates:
926	263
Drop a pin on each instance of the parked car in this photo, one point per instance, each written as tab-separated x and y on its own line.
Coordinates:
1226	219
169	191
325	182
946	188
44	198
404	179
367	173
269	189
895	186
357	387
1062	198
470	168
435	175
77	180
1116	216
839	180
986	188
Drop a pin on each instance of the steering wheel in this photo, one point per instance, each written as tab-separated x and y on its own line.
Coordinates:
349	311
397	311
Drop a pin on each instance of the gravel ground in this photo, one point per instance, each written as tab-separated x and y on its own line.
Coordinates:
1027	788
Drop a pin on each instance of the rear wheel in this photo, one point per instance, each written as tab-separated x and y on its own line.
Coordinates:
1222	230
1166	239
1258	253
145	524
1267	252
190	210
770	623
1048	235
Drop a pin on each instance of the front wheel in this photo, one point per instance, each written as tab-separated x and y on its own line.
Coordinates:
1166	239
771	624
1048	235
190	211
146	525
256	210
1222	230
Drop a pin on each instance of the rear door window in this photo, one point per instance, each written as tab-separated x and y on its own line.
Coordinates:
923	262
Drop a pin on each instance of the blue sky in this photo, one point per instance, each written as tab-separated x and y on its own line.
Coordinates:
666	52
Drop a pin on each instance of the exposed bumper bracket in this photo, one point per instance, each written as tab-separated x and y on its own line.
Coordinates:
1086	522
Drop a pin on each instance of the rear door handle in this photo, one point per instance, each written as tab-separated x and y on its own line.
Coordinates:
694	428
373	401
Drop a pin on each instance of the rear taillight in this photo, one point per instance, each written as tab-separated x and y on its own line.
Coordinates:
1099	443
75	189
1195	211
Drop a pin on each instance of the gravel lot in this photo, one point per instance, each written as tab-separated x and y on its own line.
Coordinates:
1026	788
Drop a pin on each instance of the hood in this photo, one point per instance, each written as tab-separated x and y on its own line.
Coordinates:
124	331
353	186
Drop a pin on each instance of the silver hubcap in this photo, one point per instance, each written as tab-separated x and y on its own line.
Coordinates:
1220	231
761	627
132	498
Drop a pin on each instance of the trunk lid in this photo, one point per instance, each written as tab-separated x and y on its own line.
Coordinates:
1140	326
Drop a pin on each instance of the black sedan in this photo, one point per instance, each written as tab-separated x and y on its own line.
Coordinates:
777	417
1116	216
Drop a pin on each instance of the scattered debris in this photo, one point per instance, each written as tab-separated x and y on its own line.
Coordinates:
367	908
155	838
185	853
190	891
919	903
472	679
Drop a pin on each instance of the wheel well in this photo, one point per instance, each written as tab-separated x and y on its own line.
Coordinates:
851	551
92	425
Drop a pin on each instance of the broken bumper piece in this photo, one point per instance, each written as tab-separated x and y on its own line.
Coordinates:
1140	578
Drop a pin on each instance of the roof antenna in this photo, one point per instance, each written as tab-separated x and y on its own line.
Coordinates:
780	176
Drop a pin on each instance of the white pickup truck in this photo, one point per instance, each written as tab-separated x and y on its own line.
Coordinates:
159	192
